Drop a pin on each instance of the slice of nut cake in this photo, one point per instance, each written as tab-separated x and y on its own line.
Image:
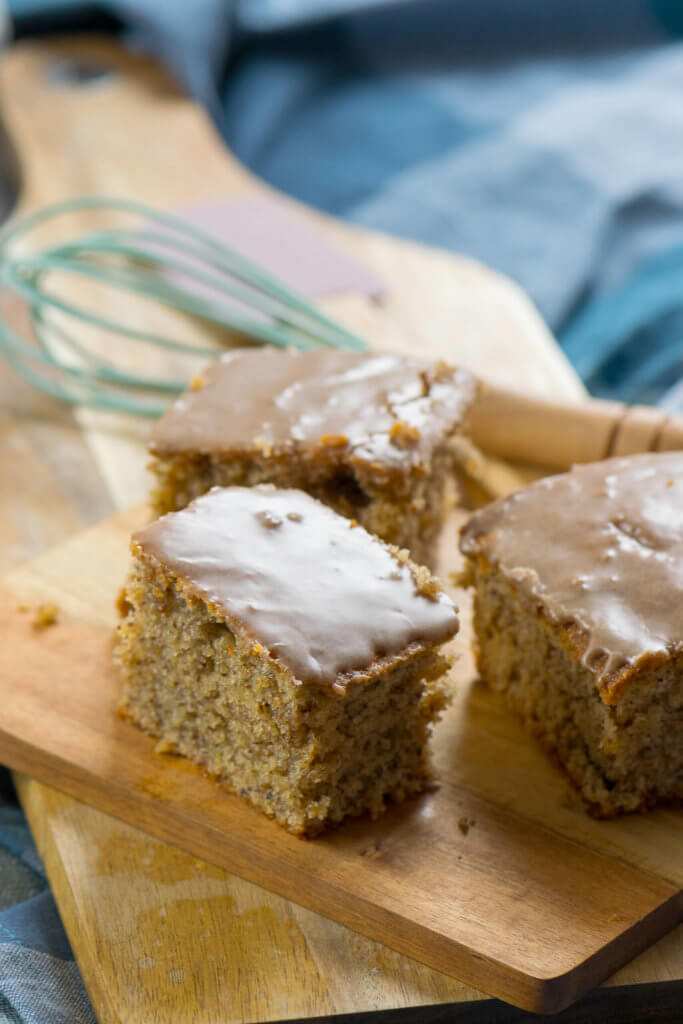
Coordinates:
287	650
379	438
579	620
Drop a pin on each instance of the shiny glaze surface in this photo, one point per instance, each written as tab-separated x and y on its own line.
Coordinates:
385	409
600	547
322	596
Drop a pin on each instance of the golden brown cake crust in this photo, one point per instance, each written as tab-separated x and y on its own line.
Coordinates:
324	599
599	552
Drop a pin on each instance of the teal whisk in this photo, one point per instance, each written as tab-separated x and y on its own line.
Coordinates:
162	258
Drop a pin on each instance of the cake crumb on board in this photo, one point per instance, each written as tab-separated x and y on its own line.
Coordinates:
46	615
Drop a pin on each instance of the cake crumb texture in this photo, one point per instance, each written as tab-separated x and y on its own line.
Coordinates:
622	757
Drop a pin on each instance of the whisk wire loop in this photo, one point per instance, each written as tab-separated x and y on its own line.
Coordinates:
164	259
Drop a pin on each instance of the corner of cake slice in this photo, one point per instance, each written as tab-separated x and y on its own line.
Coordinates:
286	650
377	437
578	597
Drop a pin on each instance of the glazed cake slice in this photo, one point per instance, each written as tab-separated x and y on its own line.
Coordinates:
376	437
578	615
285	649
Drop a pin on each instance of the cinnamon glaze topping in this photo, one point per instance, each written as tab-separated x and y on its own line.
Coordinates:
322	596
382	409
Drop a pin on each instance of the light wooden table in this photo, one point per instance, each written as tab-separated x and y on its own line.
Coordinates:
160	936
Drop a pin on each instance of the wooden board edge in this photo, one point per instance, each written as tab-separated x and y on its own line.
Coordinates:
536	995
622	1004
559	992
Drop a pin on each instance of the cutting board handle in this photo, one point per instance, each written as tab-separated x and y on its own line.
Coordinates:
559	434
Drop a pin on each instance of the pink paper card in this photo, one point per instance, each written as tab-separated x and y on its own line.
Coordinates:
284	244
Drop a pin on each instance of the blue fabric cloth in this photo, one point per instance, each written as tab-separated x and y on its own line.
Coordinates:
39	979
543	138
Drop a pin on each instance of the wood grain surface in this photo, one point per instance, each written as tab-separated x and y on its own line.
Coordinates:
231	951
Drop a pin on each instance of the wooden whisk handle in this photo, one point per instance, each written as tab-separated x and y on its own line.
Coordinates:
558	434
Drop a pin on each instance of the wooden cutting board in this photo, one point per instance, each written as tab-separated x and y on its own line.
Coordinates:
159	934
497	877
